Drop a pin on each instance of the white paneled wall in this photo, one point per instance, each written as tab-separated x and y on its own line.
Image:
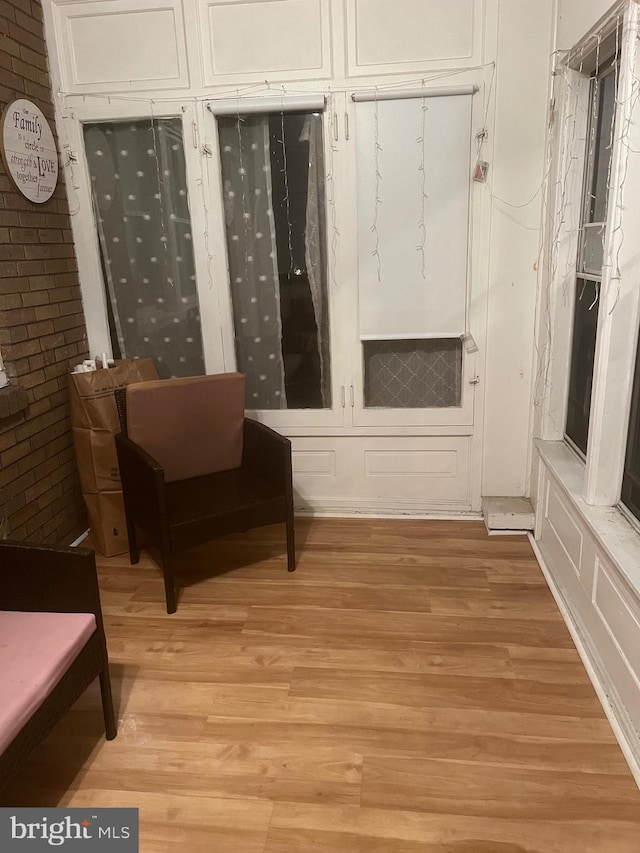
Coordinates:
113	45
576	18
601	600
412	34
254	40
171	51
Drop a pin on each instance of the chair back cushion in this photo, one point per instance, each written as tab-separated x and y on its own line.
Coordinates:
191	426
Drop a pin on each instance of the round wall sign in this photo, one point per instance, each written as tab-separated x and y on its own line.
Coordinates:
29	151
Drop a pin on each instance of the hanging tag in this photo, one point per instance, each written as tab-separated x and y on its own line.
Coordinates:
480	171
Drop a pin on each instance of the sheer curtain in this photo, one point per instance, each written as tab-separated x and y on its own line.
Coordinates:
139	189
315	242
252	254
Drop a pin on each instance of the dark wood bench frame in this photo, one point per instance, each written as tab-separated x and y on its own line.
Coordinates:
55	579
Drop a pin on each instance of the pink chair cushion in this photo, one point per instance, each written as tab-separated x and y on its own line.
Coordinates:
36	649
191	426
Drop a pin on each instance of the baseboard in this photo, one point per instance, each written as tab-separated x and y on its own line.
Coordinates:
343	507
80	539
613	707
342	511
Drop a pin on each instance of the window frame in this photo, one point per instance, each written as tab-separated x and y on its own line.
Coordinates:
83	217
617	329
311	421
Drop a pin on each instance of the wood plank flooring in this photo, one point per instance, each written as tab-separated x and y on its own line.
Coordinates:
412	688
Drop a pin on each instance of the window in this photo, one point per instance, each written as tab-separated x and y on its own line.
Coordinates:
631	476
590	254
138	184
272	168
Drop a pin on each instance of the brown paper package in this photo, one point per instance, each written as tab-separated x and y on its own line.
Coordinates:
94	421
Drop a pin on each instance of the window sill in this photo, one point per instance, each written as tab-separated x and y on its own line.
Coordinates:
13	399
614	533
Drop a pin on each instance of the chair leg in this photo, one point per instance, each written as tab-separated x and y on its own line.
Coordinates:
110	727
291	544
169	585
134	553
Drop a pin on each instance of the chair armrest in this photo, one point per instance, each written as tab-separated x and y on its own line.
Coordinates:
48	578
267	454
143	487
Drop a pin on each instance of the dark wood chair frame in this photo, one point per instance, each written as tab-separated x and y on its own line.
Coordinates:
55	579
151	504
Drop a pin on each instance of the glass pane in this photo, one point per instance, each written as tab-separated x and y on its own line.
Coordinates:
140	198
583	347
602	103
631	476
592	248
412	374
602	150
274	207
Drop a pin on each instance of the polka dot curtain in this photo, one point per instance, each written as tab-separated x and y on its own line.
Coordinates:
139	192
253	261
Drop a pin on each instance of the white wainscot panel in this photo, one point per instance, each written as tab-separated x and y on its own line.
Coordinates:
400	35
115	45
619	609
425	471
560	524
253	39
319	463
319	477
374	474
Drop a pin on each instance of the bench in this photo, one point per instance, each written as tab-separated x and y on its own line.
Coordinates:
52	644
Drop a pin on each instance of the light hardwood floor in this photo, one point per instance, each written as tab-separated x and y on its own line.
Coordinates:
412	688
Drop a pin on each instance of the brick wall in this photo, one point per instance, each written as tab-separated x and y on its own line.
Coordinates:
42	329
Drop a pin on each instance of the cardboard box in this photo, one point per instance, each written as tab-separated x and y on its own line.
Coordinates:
94	422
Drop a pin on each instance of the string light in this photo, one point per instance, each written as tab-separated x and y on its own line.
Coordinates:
377	200
67	165
566	227
203	196
161	191
245	213
331	189
422	228
285	172
106	266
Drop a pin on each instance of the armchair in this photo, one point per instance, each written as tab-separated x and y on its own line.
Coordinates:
52	644
193	468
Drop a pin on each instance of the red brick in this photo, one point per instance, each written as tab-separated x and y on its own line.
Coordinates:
33	58
24	235
39	297
29	219
26	21
11	253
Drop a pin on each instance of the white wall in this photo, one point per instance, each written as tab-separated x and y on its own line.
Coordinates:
589	551
576	18
522	92
350	44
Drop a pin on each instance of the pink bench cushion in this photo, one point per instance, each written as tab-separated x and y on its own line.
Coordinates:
36	649
191	426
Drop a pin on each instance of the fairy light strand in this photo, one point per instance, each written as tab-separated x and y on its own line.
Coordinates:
422	227
242	172
331	191
200	181
377	148
287	200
